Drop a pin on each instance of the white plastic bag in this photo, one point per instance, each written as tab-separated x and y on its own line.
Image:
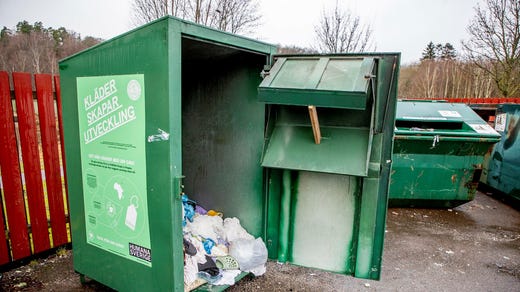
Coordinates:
250	253
206	226
233	230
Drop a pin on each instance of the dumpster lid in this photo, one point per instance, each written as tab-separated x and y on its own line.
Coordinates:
445	119
342	151
325	81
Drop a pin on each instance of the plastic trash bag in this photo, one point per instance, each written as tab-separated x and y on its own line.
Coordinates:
233	230
250	253
206	226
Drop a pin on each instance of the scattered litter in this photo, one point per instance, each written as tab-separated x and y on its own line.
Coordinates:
425	216
506	258
367	285
462	272
450	252
450	210
228	277
395	213
312	274
438	265
20	285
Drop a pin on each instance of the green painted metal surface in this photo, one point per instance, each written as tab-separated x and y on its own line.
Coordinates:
187	69
223	130
502	166
437	149
326	81
334	195
327	229
344	148
342	151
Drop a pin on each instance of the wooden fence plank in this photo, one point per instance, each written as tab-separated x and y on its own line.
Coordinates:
62	141
11	177
31	161
49	140
4	247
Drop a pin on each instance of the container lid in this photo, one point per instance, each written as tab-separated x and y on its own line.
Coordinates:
324	81
442	119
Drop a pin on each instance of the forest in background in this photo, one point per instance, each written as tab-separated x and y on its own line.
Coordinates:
488	64
37	49
442	73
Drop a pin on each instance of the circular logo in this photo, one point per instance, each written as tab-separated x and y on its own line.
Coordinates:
133	89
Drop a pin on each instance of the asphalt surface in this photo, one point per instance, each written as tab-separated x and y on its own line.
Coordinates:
474	247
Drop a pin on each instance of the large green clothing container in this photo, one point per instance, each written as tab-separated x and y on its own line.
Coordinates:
173	107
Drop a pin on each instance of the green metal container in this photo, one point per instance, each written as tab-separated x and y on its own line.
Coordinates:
165	108
173	107
502	164
327	159
438	153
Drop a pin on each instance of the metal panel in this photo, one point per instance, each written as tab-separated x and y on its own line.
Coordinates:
342	150
221	121
144	51
326	81
332	236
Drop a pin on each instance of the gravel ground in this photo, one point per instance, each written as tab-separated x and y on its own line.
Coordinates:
474	247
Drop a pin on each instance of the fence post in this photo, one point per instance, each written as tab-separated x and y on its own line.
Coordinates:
11	176
47	117
31	161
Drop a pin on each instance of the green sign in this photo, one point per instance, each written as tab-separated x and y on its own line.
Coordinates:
111	112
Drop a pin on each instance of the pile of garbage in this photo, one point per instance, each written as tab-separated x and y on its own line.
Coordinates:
217	250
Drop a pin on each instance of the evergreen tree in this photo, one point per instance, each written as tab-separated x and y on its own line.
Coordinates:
429	52
24	27
4	34
447	52
36	48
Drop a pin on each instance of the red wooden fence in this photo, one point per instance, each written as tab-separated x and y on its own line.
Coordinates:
467	100
34	214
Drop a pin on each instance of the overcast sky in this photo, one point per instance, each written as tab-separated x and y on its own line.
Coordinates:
405	26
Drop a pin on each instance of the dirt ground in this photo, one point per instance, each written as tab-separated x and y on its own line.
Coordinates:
474	247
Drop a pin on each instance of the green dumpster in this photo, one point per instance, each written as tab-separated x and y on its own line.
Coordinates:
327	158
438	153
173	107
501	166
165	108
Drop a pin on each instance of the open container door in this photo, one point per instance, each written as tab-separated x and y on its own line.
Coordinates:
324	154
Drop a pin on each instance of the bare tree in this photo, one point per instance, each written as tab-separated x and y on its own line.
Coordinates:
339	31
494	44
148	10
445	78
235	16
